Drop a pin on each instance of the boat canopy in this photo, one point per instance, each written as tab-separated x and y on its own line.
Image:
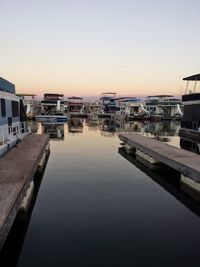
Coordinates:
75	97
161	96
195	77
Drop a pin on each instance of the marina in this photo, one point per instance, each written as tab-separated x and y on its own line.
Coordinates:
85	139
102	210
99	133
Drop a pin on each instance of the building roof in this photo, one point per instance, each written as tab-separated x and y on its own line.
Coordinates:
195	77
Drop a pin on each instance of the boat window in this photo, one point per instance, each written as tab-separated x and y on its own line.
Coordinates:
15	109
3	107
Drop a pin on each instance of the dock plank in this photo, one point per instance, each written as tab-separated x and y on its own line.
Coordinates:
17	168
179	159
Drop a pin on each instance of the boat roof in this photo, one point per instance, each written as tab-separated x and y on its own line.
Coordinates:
161	96
75	97
49	94
7	86
109	93
195	77
26	95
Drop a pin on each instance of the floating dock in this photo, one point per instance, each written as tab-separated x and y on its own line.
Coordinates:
183	161
17	169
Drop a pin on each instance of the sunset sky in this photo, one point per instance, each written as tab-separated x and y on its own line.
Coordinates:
85	47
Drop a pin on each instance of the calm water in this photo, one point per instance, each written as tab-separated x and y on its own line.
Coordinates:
96	208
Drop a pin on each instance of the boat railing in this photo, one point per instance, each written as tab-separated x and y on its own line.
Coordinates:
6	132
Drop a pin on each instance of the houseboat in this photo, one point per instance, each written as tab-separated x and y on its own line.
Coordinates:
95	109
109	102
161	107
190	124
13	124
52	109
130	108
30	104
75	105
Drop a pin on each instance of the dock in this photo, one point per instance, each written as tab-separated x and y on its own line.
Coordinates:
183	161
17	169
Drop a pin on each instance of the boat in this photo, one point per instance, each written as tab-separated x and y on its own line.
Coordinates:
95	109
190	124
30	104
75	105
130	108
109	102
163	107
13	120
52	109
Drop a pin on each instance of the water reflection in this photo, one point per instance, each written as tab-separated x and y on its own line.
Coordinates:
75	125
168	179
165	128
190	145
11	251
96	209
54	130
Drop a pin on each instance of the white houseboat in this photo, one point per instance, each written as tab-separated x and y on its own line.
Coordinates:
13	125
30	104
75	105
52	109
163	107
109	102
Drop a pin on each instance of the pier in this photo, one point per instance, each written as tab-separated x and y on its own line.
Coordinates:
17	169
183	161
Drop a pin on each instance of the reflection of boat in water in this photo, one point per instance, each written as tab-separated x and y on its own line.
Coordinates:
52	109
54	130
75	125
109	125
188	185
164	128
13	245
191	145
168	179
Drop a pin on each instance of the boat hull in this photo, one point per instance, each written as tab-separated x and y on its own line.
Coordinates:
53	118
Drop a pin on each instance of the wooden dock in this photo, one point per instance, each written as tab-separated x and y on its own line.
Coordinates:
186	162
17	169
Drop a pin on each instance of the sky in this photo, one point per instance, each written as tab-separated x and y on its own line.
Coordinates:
86	47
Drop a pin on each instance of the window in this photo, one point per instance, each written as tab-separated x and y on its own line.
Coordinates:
3	107
15	109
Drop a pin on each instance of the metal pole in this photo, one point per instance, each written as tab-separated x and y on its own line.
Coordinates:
186	87
195	84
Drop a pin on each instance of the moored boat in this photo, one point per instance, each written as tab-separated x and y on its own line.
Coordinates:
190	124
52	109
13	121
